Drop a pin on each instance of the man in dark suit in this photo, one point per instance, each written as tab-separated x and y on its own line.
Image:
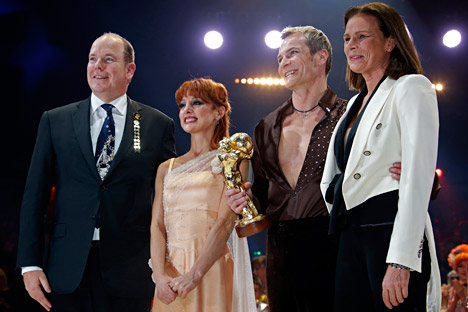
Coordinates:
102	161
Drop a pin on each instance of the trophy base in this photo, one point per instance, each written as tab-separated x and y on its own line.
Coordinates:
262	223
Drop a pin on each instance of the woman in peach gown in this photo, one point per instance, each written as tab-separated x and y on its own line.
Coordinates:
194	267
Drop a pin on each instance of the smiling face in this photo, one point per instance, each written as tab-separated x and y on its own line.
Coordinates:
296	65
198	116
367	50
108	75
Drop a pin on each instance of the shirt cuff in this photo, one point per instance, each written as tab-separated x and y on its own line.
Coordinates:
399	266
29	269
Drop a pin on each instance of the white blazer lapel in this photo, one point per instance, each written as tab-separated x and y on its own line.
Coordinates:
367	122
331	167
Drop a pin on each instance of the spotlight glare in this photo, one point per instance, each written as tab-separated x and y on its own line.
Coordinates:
439	87
273	39
452	38
262	81
213	39
439	172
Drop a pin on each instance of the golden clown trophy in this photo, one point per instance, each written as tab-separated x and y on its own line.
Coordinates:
232	151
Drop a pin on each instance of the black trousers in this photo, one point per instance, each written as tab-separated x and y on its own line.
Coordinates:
301	260
361	266
91	294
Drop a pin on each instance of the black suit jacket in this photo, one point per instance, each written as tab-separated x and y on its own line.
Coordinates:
63	157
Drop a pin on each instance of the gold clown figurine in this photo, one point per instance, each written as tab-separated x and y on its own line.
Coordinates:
232	151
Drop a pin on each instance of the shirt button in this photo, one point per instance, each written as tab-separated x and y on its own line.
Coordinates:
367	153
379	126
357	176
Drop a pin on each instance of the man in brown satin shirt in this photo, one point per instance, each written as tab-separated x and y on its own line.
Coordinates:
290	146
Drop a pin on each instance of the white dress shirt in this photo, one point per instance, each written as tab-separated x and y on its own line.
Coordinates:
96	119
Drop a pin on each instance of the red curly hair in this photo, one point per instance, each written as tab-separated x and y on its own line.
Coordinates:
457	255
211	92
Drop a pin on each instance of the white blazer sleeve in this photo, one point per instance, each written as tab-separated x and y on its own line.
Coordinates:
416	104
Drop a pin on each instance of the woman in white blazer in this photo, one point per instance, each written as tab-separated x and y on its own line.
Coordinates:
385	236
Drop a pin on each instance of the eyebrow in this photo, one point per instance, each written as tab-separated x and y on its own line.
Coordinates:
291	48
194	99
359	31
108	54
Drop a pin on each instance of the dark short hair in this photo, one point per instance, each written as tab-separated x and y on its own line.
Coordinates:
404	58
315	39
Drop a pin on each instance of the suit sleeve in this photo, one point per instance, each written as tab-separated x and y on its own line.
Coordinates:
36	198
417	112
168	144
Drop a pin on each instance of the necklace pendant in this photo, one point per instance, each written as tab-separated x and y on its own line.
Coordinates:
304	113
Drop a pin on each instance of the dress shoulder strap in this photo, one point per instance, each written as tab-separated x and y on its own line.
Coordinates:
171	163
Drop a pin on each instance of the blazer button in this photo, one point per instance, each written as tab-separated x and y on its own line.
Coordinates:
379	126
357	176
93	217
367	153
103	188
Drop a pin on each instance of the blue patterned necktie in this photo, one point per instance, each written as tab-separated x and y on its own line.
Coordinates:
105	143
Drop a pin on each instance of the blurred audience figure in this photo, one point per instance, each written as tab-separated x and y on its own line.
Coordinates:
260	296
451	276
5	293
454	295
259	270
260	286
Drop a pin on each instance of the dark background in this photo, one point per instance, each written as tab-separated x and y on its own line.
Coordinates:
44	47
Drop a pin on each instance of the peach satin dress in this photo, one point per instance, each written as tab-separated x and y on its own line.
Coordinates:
192	195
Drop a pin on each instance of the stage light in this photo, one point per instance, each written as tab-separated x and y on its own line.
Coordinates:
439	172
262	81
438	87
257	253
452	38
273	39
213	39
